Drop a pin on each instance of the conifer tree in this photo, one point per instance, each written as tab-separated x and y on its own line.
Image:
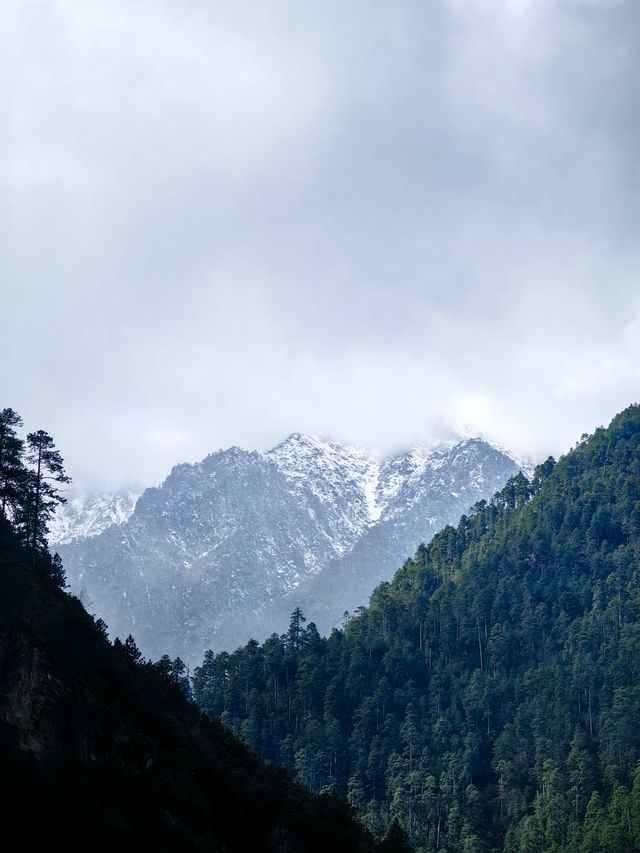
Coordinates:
12	469
132	650
180	673
57	572
296	630
43	496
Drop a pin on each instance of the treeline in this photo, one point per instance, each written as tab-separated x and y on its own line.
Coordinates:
488	699
31	475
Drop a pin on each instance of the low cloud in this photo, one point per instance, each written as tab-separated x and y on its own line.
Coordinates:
225	223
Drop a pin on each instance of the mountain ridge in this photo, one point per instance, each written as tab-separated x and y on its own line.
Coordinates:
88	513
232	543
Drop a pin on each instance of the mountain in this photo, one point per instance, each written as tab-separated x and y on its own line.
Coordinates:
83	516
488	697
101	751
417	493
226	548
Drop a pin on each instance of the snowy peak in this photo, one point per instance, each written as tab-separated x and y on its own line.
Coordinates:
326	468
420	469
354	485
300	454
394	474
226	547
333	482
456	470
84	516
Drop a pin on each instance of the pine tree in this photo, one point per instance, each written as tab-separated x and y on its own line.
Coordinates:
12	469
132	650
180	673
164	666
57	572
583	775
43	496
296	631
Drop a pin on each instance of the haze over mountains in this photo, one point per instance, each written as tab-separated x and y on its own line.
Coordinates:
225	548
88	515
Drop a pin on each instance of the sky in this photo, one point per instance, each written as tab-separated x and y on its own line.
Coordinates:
377	222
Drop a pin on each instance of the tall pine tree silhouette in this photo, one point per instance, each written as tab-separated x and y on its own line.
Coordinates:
46	475
12	469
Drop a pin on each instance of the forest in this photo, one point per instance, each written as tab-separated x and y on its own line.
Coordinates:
488	698
101	749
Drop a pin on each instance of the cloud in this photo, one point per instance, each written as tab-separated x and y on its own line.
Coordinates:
227	222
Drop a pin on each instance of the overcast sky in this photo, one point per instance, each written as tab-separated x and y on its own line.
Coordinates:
225	221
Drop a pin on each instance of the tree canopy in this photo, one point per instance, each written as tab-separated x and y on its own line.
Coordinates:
488	697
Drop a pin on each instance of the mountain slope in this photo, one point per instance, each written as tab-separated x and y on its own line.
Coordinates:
488	697
418	493
89	515
99	752
226	548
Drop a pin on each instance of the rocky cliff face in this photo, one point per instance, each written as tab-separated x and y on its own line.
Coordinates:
84	516
225	548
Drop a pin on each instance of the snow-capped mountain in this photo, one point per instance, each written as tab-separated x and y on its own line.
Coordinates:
83	516
418	493
336	480
225	548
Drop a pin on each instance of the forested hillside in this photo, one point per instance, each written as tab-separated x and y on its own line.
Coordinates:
489	696
100	750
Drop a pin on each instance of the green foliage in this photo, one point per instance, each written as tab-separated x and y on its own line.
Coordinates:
488	698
